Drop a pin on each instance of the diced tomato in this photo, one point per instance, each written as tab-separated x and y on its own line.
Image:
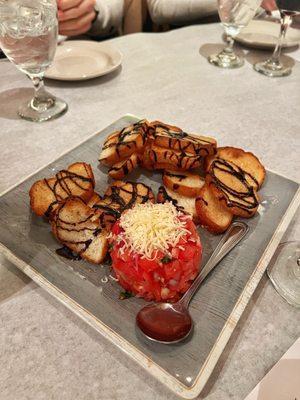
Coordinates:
188	253
173	269
147	265
166	277
116	229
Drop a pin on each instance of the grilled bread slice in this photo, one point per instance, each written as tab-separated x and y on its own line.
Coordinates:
129	193
173	159
78	180
78	227
94	199
212	214
108	211
254	171
145	158
184	183
172	137
124	167
230	185
182	203
118	197
120	145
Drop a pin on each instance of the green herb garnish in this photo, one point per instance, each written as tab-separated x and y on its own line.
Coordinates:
110	247
125	295
166	259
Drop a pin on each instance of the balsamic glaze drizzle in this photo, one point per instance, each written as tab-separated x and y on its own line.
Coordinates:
175	175
68	253
163	196
181	160
126	166
139	128
194	145
61	188
245	199
121	198
76	227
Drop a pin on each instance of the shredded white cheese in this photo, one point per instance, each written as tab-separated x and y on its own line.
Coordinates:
149	228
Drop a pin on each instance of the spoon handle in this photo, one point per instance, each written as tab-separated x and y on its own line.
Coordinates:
231	238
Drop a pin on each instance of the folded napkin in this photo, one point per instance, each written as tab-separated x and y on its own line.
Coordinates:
282	382
61	38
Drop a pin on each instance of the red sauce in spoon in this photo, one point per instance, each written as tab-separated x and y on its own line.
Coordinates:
163	323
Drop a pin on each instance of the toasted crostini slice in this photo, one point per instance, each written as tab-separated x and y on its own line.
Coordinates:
129	193
172	137
254	171
124	167
182	203
122	144
230	186
145	157
78	227
118	197
185	183
108	210
155	125
174	158
78	180
212	214
42	196
94	199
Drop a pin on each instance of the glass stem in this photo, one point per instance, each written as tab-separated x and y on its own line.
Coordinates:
42	100
284	24
229	48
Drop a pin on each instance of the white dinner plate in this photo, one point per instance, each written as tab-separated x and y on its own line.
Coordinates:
264	34
78	60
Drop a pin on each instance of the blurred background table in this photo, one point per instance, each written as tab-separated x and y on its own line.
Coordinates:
46	352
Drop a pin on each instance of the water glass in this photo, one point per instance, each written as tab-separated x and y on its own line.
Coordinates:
234	15
285	272
273	67
28	37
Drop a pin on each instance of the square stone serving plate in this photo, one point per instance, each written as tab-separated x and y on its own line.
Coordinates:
92	294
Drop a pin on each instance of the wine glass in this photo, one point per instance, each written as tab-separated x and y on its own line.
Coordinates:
284	273
273	66
234	15
28	37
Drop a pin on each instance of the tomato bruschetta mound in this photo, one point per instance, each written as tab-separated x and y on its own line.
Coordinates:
156	251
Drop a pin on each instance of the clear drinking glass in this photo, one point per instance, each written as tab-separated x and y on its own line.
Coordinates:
273	66
234	15
285	272
28	37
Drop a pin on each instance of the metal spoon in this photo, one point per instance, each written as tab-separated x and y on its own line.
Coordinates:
171	323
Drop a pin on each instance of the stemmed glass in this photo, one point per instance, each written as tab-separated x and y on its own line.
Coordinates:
234	15
28	37
273	66
285	272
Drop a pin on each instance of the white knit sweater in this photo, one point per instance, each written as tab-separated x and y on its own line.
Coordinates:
110	17
179	12
174	12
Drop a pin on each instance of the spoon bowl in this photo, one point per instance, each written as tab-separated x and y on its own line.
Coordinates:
171	323
165	322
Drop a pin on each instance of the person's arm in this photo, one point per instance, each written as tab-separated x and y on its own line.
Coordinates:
177	12
109	18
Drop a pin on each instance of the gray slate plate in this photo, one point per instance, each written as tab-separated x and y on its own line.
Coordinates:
184	368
